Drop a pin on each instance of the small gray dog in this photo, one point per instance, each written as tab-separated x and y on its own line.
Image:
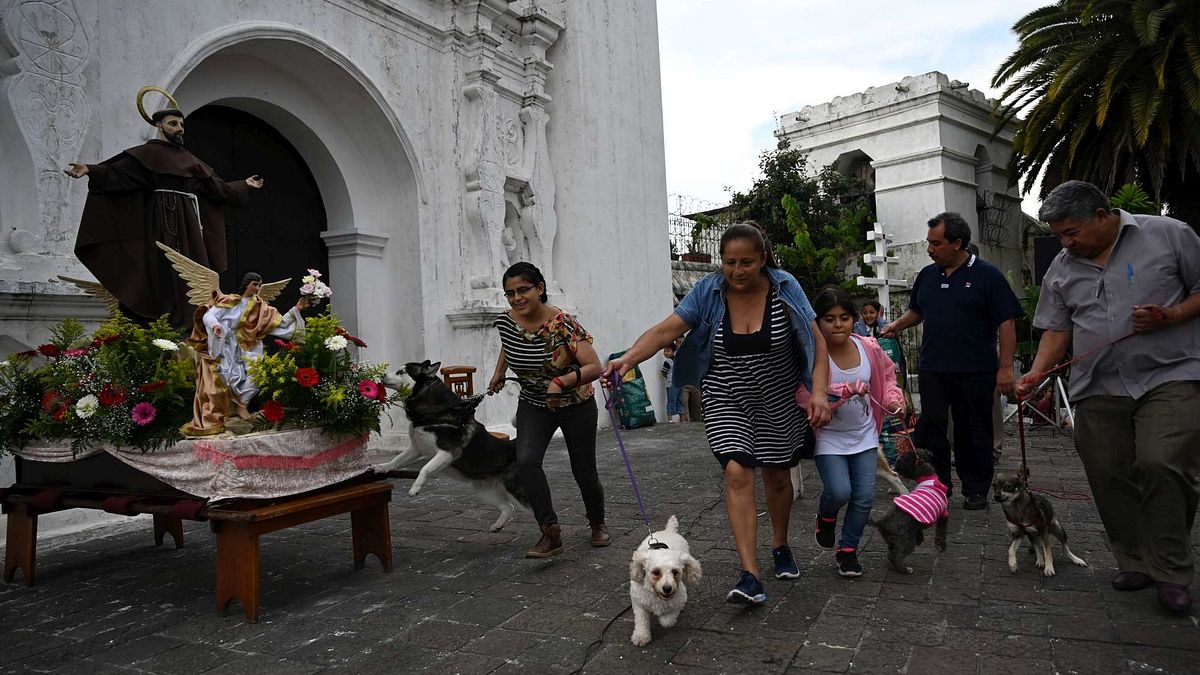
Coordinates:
1030	515
903	525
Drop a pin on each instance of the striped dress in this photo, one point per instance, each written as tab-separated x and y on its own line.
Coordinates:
749	394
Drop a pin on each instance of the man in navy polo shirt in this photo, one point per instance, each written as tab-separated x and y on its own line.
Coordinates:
964	303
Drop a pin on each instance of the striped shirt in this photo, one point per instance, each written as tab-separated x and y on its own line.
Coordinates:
750	411
927	502
536	358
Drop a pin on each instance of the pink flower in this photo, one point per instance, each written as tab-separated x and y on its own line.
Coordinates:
144	413
76	352
307	289
314	273
368	389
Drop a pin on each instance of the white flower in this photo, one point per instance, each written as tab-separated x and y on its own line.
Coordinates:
165	345
336	343
87	406
3	364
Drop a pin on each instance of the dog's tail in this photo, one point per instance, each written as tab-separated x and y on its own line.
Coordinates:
672	524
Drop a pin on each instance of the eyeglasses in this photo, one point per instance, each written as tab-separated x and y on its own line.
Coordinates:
519	290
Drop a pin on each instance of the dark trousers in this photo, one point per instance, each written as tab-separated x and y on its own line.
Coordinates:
968	398
535	427
1142	459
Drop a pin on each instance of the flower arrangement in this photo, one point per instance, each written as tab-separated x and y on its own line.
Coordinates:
315	381
127	385
315	288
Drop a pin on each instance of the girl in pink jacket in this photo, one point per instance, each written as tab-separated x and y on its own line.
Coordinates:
862	379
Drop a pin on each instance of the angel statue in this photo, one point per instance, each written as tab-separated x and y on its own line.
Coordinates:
227	332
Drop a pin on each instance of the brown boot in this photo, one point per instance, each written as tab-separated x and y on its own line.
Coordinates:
600	535
550	543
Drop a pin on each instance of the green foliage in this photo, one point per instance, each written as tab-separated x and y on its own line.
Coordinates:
341	398
1027	335
1110	93
1132	198
817	223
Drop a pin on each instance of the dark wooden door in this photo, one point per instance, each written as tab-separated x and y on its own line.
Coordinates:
279	235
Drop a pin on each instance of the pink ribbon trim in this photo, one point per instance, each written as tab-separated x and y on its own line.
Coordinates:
206	451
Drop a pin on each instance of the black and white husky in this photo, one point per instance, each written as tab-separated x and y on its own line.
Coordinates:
444	432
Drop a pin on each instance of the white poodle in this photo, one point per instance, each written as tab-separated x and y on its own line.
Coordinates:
658	579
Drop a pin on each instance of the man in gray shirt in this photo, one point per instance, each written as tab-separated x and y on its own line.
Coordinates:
1137	418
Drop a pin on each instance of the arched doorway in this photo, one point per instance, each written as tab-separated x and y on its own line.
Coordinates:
279	234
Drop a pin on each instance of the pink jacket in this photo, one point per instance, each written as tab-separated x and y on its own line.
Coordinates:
883	385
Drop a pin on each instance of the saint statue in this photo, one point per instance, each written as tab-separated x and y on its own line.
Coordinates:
155	192
227	334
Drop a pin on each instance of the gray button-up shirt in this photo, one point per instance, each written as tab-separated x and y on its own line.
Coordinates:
1155	261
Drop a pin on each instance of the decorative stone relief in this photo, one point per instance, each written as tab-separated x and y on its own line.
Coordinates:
484	186
49	106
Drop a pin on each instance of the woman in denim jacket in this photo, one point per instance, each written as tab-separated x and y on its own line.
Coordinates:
752	341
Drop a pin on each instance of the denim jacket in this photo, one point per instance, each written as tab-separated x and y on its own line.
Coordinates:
703	309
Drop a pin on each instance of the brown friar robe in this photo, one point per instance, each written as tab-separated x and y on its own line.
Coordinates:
139	197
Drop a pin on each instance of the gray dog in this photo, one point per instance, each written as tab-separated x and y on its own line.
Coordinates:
903	525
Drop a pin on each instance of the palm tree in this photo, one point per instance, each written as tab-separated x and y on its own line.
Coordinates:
1110	90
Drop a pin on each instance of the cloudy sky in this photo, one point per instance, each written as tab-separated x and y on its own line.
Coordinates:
729	68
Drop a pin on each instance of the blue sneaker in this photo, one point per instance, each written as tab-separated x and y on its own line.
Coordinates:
749	591
785	564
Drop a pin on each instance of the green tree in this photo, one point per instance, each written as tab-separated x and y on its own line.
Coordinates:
1110	90
817	224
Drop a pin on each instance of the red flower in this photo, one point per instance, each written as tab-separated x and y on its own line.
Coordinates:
28	355
307	377
151	386
382	393
111	395
273	411
368	389
285	344
356	340
49	350
107	339
50	399
54	403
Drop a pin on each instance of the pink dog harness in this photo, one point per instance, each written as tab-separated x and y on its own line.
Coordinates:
927	502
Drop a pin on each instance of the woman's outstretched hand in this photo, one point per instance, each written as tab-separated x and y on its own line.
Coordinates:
496	384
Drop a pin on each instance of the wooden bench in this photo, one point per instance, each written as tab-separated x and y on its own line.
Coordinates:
237	525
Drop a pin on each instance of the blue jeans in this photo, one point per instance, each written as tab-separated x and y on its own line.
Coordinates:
674	400
847	479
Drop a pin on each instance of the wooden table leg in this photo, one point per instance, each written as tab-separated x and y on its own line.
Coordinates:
372	534
163	525
237	568
21	546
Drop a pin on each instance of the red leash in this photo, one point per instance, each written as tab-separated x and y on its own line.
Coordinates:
1063	494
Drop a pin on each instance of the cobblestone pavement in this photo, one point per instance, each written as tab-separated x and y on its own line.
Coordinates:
462	599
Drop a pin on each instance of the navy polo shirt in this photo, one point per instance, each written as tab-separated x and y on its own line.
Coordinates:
962	314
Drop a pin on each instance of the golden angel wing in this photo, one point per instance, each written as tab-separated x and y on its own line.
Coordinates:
268	292
94	289
202	282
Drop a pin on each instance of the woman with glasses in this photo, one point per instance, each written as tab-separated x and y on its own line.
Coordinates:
553	359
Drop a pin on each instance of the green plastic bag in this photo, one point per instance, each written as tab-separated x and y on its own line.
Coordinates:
633	406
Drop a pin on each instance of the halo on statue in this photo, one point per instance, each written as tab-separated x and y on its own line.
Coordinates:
142	94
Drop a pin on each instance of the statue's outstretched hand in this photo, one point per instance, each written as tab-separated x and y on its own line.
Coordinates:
77	170
255	181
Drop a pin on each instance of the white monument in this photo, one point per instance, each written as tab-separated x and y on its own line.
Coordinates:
447	140
927	143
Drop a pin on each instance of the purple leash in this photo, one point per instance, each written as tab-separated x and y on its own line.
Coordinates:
610	404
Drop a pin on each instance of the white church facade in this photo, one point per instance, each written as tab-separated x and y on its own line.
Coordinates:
422	147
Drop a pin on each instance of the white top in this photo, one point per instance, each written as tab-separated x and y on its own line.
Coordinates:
852	429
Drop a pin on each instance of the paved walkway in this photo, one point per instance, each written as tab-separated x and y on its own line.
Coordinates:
462	599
